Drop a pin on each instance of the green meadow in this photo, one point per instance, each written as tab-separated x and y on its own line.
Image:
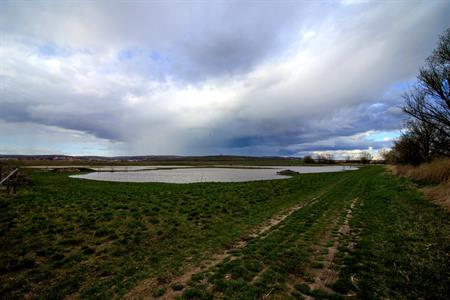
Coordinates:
369	235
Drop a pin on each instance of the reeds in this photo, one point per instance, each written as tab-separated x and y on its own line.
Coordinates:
437	171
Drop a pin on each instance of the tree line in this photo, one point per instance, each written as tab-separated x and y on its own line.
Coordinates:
365	157
426	135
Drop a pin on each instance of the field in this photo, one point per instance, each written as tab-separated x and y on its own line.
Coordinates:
180	161
362	234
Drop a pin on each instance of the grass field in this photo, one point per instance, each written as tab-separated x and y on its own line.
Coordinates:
360	233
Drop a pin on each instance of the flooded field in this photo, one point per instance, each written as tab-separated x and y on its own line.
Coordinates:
192	175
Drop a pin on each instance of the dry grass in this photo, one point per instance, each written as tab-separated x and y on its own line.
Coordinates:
440	194
436	172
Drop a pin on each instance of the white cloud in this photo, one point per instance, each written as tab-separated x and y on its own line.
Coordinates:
173	83
32	138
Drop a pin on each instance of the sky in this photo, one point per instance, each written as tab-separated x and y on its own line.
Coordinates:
285	78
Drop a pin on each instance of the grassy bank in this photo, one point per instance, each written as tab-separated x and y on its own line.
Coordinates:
433	178
376	236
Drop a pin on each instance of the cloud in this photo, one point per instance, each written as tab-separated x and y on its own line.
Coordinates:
27	138
198	78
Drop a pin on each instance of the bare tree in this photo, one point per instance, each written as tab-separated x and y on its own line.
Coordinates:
404	151
330	158
429	101
430	141
384	153
320	158
421	142
308	159
365	157
327	158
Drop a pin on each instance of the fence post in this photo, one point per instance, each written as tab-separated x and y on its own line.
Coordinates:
14	183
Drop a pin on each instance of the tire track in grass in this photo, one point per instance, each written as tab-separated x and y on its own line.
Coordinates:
327	275
146	289
321	271
250	275
403	244
143	290
325	268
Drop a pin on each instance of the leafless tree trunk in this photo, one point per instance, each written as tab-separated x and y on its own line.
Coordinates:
429	101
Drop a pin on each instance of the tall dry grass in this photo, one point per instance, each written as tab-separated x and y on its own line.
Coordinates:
440	194
437	173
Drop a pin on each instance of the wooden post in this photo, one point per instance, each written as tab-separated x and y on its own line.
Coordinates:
14	182
10	181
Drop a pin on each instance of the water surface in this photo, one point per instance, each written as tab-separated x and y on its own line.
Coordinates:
192	175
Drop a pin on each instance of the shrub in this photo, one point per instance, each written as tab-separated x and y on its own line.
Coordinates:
308	160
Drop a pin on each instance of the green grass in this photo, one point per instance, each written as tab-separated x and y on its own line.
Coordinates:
92	239
402	246
286	253
97	239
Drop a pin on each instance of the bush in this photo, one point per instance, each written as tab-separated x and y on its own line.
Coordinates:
308	160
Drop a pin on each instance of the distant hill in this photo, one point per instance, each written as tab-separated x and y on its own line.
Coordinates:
149	159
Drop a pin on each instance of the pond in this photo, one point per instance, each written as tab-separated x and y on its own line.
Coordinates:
193	175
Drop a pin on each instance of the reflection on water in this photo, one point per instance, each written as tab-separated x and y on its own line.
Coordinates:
191	175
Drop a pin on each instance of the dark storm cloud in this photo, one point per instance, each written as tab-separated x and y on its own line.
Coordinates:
196	40
334	131
222	77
